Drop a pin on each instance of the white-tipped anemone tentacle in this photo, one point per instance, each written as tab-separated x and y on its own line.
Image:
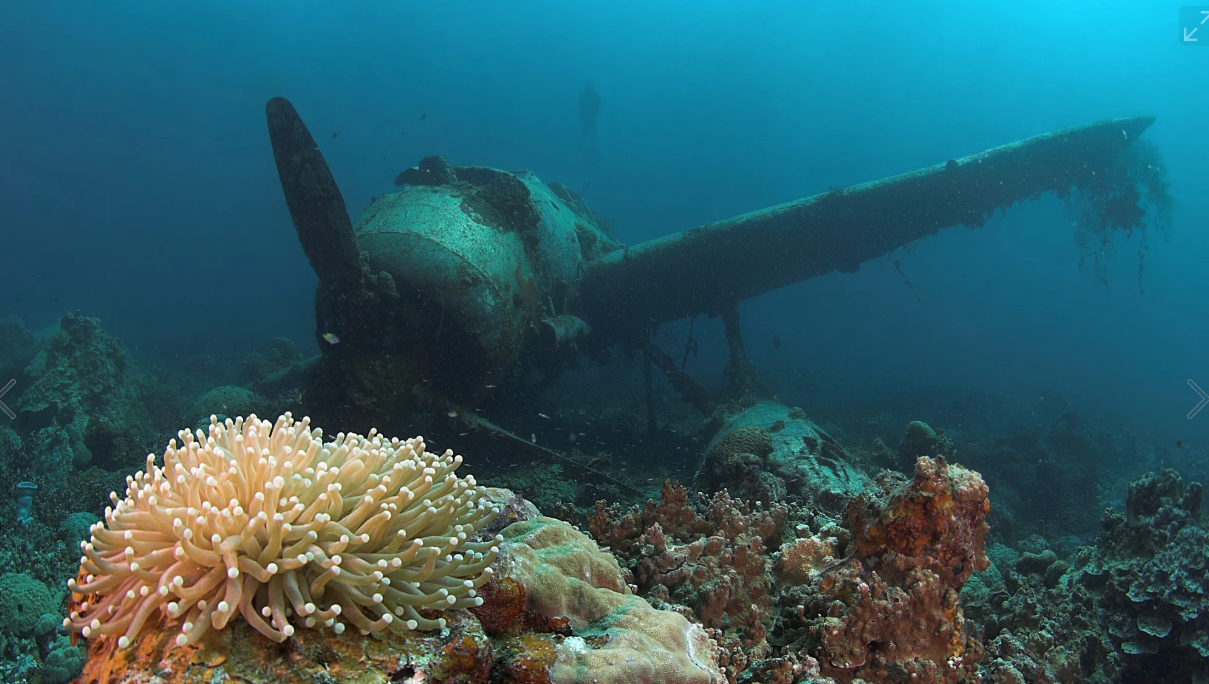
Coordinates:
264	521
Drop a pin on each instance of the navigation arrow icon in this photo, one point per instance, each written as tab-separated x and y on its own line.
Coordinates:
1204	399
1188	35
7	410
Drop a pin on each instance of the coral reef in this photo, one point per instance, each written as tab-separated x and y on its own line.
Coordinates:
1153	563
241	655
890	611
556	612
30	635
1131	608
23	600
713	561
80	404
886	611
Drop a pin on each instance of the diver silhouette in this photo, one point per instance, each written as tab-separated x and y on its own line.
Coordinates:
589	109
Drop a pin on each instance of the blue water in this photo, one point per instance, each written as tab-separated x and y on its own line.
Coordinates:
135	170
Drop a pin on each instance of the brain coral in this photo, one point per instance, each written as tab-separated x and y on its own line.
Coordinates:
23	600
262	519
619	638
748	439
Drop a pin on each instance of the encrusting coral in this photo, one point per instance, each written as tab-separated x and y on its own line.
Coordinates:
267	521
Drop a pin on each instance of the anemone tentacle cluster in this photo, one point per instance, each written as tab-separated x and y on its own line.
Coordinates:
267	521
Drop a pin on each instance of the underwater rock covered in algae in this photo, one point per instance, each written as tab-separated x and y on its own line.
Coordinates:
240	595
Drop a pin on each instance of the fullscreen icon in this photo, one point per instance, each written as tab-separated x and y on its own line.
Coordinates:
1194	25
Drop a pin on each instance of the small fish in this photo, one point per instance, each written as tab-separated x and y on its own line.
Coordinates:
452	414
533	437
423	116
16	299
331	338
54	298
41	275
544	416
463	434
776	340
572	437
402	132
489	386
1179	444
336	135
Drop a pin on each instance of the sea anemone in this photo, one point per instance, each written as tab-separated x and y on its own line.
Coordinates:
269	522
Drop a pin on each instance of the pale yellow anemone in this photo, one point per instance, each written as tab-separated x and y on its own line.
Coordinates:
269	522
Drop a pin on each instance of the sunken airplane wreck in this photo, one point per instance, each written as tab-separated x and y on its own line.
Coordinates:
442	292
